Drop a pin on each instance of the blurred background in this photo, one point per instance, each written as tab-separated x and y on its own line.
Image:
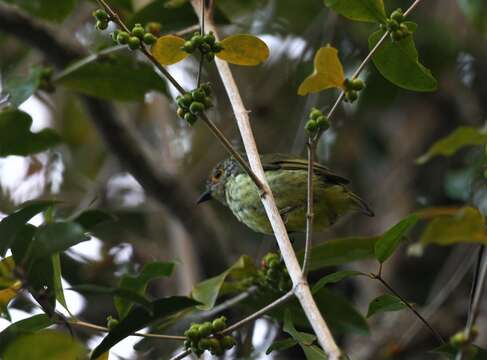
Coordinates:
374	142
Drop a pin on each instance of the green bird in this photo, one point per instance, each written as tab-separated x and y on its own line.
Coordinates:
287	177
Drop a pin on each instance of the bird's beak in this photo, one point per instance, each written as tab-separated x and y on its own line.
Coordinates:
204	197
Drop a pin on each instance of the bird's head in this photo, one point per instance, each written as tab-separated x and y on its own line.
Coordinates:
216	183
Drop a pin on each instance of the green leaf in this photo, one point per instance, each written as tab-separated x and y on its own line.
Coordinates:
467	225
398	62
340	251
20	88
387	243
53	10
138	283
139	318
449	145
16	137
45	344
328	72
301	337
91	218
281	345
207	291
12	224
359	10
23	327
58	287
385	303
53	238
112	78
243	49
313	352
121	293
334	278
167	49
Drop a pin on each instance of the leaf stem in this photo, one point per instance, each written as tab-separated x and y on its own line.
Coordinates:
309	212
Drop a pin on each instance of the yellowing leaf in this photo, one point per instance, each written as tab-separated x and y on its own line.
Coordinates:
467	225
9	293
328	72
104	356
243	49
167	50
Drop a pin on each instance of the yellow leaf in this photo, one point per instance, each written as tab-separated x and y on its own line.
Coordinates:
328	72
103	356
9	293
167	49
243	49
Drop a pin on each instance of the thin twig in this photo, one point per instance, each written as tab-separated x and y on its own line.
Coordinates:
181	355
91	326
435	333
309	211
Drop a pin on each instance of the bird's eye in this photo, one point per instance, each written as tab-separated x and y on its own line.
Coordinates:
217	175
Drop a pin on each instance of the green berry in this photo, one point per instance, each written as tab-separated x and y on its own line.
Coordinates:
272	274
357	84
269	257
184	101
274	263
197	40
181	112
205	48
392	24
188	47
228	342
192	333
210	56
196	107
204	344
208	102
398	15
154	28
207	89
209	38
315	113
190	118
149	39
114	35
351	96
217	47
215	346
219	324
111	322
311	126
138	31
323	122
198	95
347	84
458	339
101	25
134	43
205	329
123	37
101	15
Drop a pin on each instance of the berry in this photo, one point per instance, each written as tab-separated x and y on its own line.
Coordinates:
398	15
351	96
181	112
205	329
123	37
207	89
198	95
205	48
209	38
188	47
217	47
196	107
315	113
215	346
101	15
208	102
101	25
204	344
154	28
274	263
190	118
149	39
138	31
197	40
311	126
111	322
192	333
392	24
228	342
134	43
219	324
323	122
357	84
114	35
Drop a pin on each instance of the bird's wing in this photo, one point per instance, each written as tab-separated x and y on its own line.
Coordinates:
290	162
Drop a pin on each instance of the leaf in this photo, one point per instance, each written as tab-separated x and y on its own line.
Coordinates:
53	10
462	136
91	218
58	287
385	303
22	327
301	337
16	137
467	225
398	62
281	345
12	224
45	344
387	243
54	238
125	294
340	251
313	352
112	78
7	294
359	10
243	49
334	278
20	88
7	278
328	72
167	50
450	352
207	291
138	283
139	318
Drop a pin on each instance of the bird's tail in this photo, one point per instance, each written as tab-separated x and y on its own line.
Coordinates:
361	204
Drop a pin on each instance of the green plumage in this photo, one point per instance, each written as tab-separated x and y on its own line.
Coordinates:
287	177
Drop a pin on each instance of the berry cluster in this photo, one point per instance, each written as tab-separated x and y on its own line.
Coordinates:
102	19
193	103
461	341
206	44
352	87
206	336
317	121
273	274
135	38
395	25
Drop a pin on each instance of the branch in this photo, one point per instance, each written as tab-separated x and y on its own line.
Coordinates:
301	288
130	150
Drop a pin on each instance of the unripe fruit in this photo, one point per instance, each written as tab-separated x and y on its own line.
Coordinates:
190	118
393	25
111	322
209	38
101	15
207	89
315	113
347	84
215	347
205	329
196	107
208	102
138	31
311	126
181	112
219	324
274	263
205	48
357	84
217	47
154	28
134	43
323	122
351	96
101	25
204	344
197	40
123	37
398	15
198	95
227	342
149	39
192	333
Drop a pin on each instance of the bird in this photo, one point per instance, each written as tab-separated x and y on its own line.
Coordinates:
287	177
